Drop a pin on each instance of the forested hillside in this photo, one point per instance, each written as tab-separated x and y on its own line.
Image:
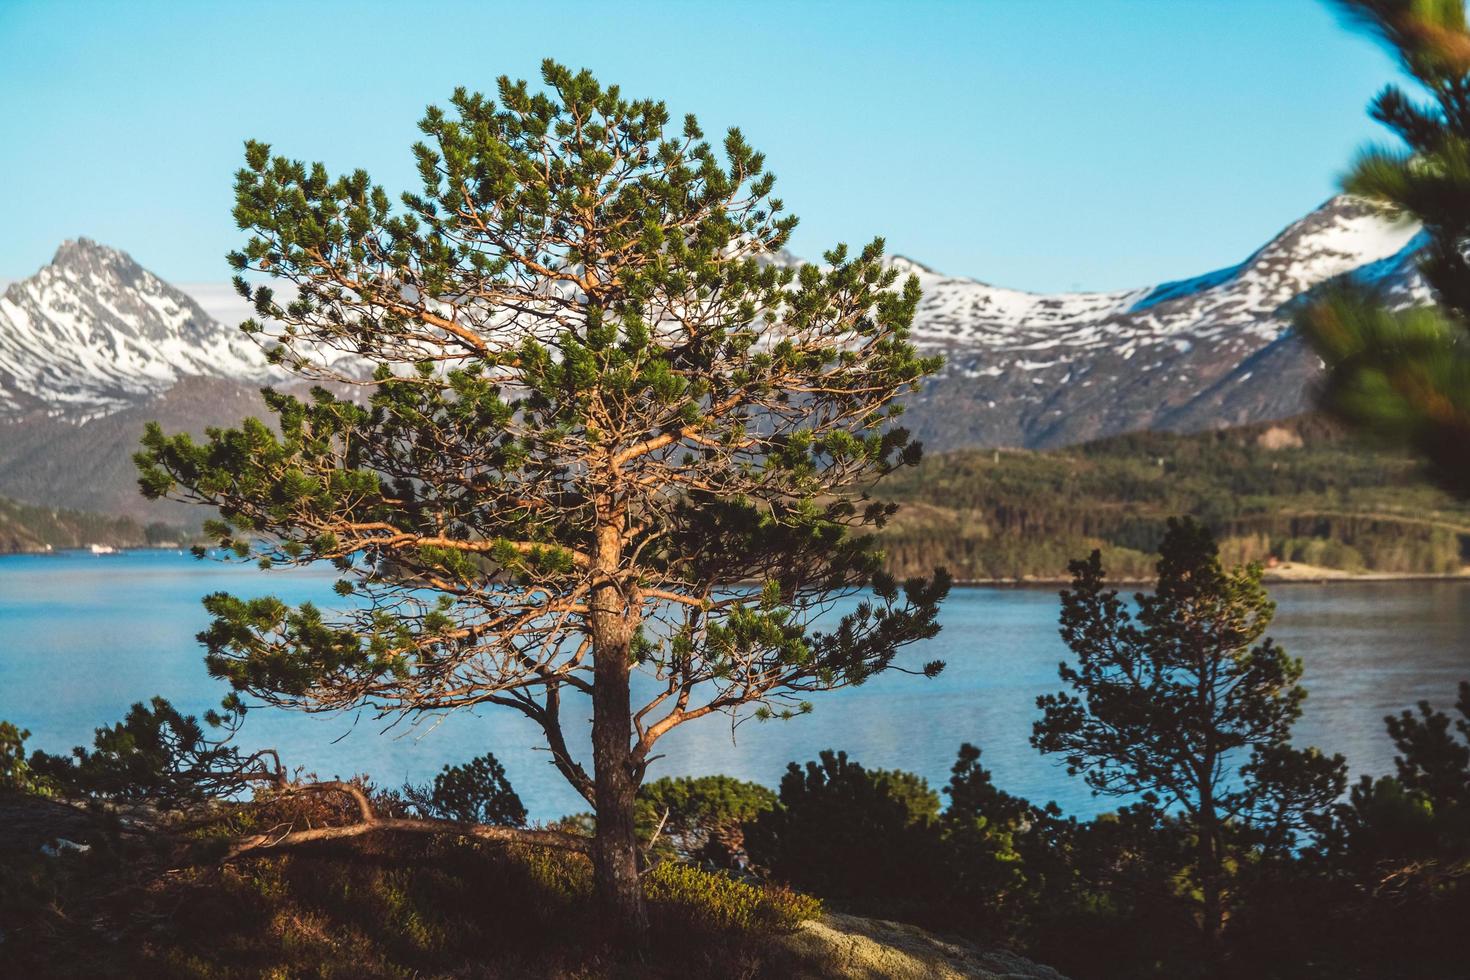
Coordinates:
1298	491
24	527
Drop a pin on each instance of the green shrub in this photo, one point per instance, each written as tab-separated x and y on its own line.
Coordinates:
1326	552
13	768
704	816
687	897
156	754
560	876
15	773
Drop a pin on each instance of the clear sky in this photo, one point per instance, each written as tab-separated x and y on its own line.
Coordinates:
1039	144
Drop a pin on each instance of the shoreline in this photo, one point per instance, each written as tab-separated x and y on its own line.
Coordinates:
1300	575
1294	573
85	549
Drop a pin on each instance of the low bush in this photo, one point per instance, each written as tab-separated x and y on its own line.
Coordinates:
684	896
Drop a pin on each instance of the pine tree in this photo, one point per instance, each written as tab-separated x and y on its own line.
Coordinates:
601	405
1405	376
1184	705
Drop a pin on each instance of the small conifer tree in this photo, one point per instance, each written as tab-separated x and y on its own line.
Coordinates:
1186	706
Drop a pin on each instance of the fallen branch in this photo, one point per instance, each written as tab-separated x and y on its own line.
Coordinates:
370	823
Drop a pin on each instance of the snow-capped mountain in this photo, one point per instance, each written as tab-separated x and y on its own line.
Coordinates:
1026	369
94	332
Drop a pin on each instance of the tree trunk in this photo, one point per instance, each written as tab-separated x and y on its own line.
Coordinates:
615	849
1212	913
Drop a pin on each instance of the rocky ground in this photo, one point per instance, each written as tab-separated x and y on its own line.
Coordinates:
874	949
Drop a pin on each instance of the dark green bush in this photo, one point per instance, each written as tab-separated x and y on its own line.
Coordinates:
867	840
475	792
156	754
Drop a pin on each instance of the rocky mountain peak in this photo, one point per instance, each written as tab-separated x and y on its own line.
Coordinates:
83	252
906	265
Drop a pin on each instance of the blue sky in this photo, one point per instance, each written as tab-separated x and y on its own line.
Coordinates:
1053	145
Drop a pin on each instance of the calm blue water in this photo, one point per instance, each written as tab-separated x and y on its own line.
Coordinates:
82	637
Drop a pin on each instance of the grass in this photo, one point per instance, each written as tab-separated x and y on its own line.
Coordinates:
378	906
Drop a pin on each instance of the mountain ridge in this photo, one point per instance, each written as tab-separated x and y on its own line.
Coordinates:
1186	355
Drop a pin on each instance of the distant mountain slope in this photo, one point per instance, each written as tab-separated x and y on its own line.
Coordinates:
88	465
30	528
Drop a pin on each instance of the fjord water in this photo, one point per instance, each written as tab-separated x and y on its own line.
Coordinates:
82	637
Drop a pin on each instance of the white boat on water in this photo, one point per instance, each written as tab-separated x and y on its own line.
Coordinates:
102	549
